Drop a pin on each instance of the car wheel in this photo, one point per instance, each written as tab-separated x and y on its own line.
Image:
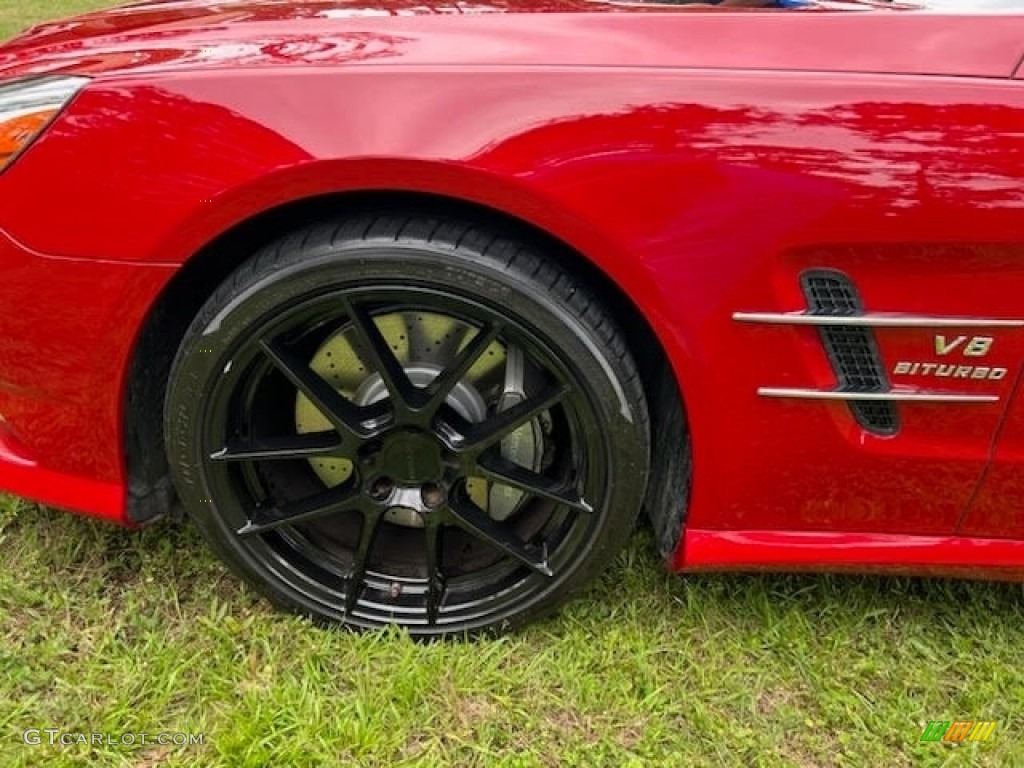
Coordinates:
406	420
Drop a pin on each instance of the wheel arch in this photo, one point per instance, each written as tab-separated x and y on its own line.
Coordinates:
150	493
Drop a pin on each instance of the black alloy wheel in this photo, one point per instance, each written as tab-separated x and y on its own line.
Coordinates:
406	420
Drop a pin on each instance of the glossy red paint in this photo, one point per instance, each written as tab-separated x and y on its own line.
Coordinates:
67	325
998	508
25	476
978	558
193	36
701	177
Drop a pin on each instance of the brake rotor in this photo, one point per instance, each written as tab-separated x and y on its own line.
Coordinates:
424	344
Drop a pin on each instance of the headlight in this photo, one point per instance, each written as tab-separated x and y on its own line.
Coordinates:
27	107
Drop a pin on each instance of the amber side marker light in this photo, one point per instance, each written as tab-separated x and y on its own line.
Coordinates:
27	107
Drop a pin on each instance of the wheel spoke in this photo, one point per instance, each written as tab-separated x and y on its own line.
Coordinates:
435	578
343	415
477	437
381	357
501	470
367	537
322	504
280	448
473	520
439	389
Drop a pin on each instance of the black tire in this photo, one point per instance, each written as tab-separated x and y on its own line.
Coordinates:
403	419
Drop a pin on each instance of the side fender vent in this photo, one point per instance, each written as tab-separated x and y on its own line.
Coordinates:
852	351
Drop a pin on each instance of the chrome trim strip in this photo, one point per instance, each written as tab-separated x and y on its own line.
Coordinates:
899	397
874	320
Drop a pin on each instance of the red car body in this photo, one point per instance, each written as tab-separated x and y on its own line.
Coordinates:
699	160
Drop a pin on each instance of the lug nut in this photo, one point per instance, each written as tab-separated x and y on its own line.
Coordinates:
382	488
432	495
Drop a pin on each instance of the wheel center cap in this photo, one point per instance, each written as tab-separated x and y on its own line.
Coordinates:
412	458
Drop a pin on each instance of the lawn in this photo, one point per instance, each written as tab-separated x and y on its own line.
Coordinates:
109	631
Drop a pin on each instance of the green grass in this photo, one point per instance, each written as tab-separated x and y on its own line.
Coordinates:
16	15
111	631
108	630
